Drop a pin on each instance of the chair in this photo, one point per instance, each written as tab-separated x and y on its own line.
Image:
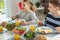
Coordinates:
20	6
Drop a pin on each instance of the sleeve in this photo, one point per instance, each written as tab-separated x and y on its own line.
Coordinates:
34	18
19	13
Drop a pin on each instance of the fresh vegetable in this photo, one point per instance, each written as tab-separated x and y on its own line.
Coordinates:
19	30
43	31
10	26
29	35
15	31
39	30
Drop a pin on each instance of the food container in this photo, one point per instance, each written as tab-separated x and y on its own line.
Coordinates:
29	35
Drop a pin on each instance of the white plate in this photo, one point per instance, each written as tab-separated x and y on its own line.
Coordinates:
4	30
13	39
43	28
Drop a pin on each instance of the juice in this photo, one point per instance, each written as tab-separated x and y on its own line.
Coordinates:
1	28
16	37
18	23
32	28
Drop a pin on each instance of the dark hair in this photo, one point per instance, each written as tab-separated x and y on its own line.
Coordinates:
31	5
24	0
55	2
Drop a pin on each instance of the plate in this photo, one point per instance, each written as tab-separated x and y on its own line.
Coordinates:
4	30
19	30
43	30
13	38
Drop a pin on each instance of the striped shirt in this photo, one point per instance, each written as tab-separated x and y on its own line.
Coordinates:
52	21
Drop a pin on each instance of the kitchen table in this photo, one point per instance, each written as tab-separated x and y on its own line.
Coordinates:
8	34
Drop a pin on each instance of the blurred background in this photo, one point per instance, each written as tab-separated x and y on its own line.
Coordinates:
9	8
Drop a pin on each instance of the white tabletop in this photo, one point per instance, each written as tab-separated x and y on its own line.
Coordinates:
9	34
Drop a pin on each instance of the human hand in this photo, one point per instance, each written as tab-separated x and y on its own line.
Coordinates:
22	21
57	29
13	17
39	23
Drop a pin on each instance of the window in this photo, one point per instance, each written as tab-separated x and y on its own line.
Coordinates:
1	7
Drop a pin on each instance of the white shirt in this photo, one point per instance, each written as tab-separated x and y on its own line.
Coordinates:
30	16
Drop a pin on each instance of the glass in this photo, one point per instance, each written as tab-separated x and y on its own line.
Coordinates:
1	28
16	37
18	23
32	28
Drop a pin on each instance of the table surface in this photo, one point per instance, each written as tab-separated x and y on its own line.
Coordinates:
8	34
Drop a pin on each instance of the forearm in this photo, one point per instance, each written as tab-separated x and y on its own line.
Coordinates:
57	29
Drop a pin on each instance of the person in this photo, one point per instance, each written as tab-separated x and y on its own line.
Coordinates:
28	15
20	4
26	1
32	6
53	17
